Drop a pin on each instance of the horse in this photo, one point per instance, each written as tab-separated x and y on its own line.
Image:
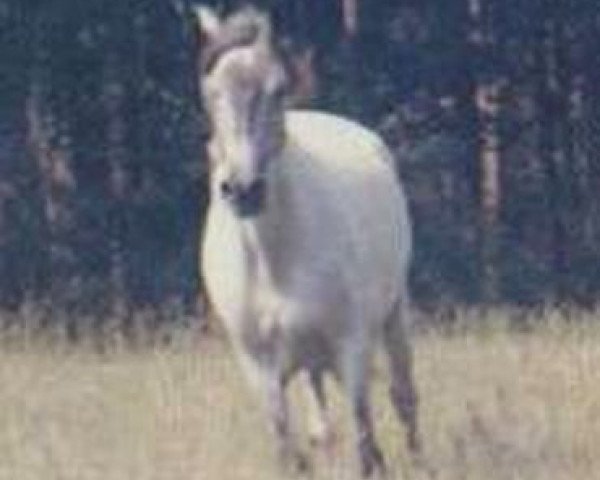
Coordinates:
307	239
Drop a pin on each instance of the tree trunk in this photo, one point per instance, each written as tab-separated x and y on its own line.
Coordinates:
350	53
57	184
555	147
117	184
486	90
582	131
350	17
487	100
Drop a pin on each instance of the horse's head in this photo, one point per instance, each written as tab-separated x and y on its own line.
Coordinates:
243	81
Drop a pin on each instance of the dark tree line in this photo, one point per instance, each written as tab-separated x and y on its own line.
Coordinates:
492	107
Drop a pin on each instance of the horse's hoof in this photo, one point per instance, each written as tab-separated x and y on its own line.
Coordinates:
420	465
326	443
296	464
303	465
372	463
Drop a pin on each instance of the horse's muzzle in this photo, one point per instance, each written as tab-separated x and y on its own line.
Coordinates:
247	201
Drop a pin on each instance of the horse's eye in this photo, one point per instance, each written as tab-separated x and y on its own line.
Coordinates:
279	92
255	100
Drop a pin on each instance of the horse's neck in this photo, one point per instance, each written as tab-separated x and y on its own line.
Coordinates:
259	261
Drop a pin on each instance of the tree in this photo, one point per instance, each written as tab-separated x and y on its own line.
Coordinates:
486	93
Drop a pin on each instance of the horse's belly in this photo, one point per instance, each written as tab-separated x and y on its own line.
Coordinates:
355	207
351	258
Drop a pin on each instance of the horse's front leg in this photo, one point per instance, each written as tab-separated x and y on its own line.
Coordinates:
290	455
269	384
322	432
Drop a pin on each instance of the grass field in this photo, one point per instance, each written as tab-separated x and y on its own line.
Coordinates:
495	404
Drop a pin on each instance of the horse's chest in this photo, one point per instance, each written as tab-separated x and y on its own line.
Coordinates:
223	264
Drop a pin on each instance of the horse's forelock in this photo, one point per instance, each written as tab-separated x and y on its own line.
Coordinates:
242	29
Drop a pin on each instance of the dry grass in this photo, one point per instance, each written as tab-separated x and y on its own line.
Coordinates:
496	404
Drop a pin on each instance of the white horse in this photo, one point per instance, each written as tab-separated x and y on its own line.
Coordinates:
307	241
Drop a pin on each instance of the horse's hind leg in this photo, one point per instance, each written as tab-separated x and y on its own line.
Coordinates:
355	377
402	391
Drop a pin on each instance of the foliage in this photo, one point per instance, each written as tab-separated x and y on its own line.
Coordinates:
102	170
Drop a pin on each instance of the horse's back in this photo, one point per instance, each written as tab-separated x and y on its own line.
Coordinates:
356	147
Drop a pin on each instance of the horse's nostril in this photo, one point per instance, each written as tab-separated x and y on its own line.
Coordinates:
257	187
246	200
227	188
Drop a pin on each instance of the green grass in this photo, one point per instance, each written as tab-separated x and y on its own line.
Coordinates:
495	404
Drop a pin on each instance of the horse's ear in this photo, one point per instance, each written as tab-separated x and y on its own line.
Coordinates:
209	23
264	27
300	65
